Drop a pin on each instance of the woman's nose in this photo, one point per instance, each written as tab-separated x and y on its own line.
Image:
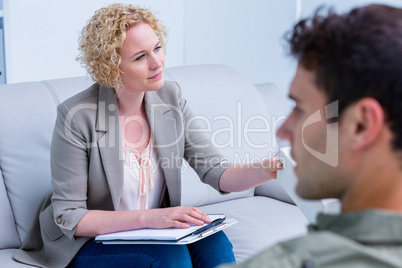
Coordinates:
156	62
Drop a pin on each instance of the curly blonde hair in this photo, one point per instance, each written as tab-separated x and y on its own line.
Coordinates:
103	36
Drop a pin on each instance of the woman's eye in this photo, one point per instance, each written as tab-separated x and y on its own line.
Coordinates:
140	57
157	48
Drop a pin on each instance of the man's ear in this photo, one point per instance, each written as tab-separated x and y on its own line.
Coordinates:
367	122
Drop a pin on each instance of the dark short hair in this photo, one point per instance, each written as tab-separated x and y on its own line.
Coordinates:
355	55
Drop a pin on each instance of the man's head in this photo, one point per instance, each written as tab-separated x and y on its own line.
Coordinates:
348	90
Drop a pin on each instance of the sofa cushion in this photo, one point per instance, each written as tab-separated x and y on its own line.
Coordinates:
231	112
8	234
262	222
7	261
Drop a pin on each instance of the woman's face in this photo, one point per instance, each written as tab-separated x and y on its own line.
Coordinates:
142	60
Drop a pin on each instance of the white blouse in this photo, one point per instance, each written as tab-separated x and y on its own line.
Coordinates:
144	183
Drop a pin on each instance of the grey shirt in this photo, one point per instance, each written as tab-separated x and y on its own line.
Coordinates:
371	238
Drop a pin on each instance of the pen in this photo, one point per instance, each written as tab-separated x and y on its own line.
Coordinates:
209	226
213	230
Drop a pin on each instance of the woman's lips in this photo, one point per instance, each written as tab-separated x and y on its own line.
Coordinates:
156	76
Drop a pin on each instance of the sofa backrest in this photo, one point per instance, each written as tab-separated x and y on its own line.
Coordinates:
219	95
236	118
277	112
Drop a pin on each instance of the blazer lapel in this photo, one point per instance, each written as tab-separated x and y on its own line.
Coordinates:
109	142
163	126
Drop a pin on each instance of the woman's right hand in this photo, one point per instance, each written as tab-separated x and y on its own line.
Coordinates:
179	217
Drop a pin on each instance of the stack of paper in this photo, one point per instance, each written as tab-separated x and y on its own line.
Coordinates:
168	236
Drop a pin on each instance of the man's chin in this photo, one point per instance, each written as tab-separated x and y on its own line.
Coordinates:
306	193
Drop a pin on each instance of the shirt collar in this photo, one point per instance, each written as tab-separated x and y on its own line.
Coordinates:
369	226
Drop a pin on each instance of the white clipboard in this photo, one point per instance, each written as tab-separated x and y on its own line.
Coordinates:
164	236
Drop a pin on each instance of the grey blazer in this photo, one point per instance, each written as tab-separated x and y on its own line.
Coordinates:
87	166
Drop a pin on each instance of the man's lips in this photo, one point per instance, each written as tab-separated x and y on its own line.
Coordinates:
156	76
292	155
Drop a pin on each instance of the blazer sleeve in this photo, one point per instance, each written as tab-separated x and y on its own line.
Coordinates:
199	152
69	170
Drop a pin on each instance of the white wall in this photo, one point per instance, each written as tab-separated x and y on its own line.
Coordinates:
245	35
41	36
308	6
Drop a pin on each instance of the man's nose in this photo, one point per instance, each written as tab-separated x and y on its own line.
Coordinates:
283	132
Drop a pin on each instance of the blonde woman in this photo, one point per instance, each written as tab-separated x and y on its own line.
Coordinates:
105	152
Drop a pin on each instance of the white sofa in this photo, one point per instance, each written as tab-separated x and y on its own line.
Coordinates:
237	115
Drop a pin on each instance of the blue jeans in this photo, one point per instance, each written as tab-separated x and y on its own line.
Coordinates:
208	252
